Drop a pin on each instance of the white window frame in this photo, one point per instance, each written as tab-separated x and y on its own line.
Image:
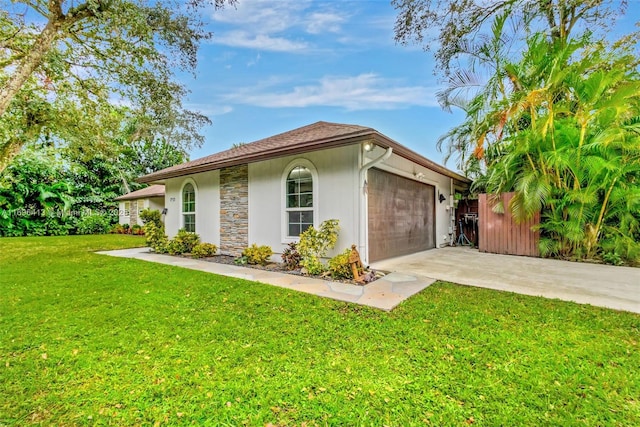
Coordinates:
284	228
195	212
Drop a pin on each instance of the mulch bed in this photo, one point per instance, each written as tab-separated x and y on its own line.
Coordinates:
279	267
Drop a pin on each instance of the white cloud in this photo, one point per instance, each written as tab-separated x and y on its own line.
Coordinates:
265	16
363	92
210	110
260	42
270	25
319	22
254	61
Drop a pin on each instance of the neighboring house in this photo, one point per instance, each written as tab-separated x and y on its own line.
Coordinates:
131	204
390	201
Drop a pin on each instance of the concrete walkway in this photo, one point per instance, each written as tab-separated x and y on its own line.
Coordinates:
595	284
384	293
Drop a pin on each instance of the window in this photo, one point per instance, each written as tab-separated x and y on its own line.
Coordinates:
189	208
126	208
299	200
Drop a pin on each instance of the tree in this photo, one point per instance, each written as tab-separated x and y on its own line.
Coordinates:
66	63
459	23
571	146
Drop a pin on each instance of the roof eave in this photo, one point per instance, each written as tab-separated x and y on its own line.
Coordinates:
321	144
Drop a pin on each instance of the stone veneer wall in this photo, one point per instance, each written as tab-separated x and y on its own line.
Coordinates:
234	209
133	213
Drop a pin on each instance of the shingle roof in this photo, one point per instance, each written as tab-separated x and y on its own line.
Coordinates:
316	136
156	190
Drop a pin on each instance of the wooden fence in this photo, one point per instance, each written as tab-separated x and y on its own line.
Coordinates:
500	234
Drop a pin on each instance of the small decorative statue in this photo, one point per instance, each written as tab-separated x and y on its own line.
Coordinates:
356	264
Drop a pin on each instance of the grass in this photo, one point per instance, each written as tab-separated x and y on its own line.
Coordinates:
87	339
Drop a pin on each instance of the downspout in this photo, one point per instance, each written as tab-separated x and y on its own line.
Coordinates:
363	244
452	210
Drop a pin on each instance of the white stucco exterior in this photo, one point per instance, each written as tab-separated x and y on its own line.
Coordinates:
336	198
207	189
124	208
339	193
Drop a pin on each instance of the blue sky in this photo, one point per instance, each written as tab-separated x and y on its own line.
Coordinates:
273	66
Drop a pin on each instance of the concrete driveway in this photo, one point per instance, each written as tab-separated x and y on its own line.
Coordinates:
599	285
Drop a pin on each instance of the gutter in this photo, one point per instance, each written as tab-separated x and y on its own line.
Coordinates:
363	244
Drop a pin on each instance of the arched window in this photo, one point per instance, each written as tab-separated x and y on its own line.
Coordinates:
189	208
299	200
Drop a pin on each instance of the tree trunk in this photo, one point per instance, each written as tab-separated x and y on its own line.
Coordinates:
28	64
22	73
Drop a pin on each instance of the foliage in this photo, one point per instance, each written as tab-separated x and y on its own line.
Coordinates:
151	215
570	146
291	257
156	239
258	254
612	258
204	250
314	244
93	224
182	243
66	65
339	266
35	197
458	27
137	230
119	229
241	260
450	355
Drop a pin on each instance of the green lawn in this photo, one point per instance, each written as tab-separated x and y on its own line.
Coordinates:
87	339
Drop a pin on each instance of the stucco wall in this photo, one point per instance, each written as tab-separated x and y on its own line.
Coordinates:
337	188
207	189
123	214
155	203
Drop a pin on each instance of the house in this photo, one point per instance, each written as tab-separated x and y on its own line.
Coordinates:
131	204
390	201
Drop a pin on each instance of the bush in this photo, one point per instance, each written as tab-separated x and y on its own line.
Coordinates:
202	250
258	254
314	244
291	256
241	260
149	215
183	242
612	258
118	229
93	224
156	239
340	267
137	230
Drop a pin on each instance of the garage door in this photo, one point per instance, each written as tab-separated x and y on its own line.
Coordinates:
401	215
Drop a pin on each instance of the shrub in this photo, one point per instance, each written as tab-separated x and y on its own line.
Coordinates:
93	224
241	260
117	229
612	258
258	254
339	266
58	226
291	256
156	239
149	215
202	250
314	244
183	242
137	230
